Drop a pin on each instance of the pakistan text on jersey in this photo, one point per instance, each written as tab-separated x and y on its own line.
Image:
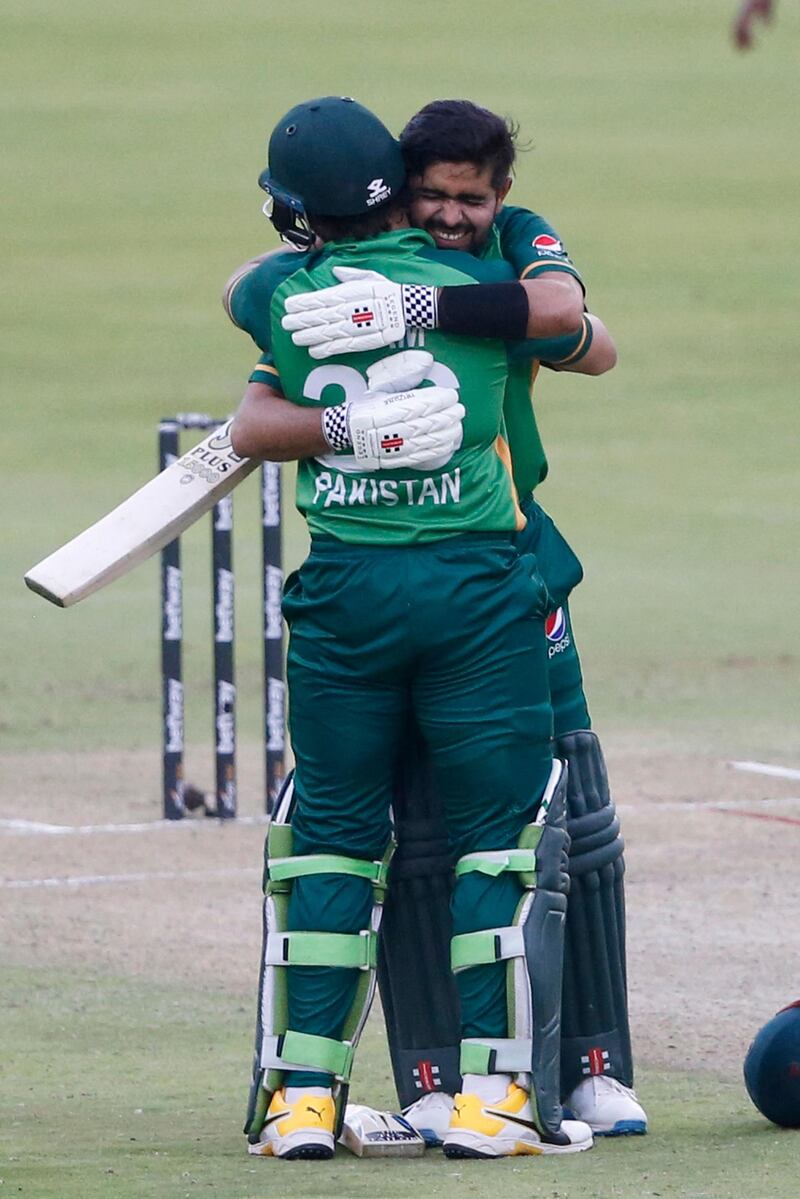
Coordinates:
351	492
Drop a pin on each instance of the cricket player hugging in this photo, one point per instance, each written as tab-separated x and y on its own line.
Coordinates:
412	606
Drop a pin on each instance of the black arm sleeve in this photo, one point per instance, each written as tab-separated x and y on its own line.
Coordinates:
488	310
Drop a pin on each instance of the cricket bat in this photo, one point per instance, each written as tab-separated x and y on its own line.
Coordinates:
370	1133
144	523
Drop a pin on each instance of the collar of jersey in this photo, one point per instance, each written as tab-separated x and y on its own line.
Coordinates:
407	241
491	247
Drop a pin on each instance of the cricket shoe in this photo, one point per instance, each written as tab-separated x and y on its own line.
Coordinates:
301	1129
430	1115
506	1129
609	1108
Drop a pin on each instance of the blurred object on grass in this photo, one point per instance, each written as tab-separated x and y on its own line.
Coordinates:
750	12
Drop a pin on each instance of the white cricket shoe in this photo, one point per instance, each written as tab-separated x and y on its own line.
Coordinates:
506	1129
302	1129
609	1108
430	1115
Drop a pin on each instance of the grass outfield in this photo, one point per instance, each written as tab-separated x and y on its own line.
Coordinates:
132	138
152	1117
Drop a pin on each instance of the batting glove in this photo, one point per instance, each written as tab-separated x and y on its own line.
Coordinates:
398	372
366	311
421	428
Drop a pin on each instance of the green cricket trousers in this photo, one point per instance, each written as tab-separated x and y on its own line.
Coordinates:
451	633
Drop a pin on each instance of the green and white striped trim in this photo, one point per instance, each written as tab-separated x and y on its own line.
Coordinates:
501	1056
354	951
301	1051
486	946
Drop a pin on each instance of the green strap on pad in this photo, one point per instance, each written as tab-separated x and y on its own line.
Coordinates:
522	860
282	867
279	1048
533	950
353	951
496	1056
485	947
301	1051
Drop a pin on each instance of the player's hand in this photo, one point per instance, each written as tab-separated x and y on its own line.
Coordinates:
392	425
366	311
400	372
421	428
363	313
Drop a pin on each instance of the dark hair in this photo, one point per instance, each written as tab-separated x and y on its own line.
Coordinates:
459	131
361	227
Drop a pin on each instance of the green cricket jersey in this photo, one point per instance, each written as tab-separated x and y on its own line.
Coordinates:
532	247
472	491
524	240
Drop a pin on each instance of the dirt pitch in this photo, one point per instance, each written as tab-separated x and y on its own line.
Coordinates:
711	892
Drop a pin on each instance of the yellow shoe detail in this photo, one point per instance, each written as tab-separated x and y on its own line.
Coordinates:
522	1149
309	1113
506	1129
514	1101
468	1115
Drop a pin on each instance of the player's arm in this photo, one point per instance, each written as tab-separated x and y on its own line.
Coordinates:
549	279
267	425
555	305
512	311
249	290
589	350
394	423
597	358
367	311
536	252
236	288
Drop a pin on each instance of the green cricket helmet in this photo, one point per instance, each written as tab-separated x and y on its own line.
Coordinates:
331	157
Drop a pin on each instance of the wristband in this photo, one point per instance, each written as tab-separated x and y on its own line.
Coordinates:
488	310
334	427
420	305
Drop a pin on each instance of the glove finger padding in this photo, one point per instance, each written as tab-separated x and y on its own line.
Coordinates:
418	403
361	286
399	372
352	314
431	455
418	427
343	345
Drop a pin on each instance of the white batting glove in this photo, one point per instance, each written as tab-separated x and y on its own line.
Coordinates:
421	428
427	448
399	372
366	311
417	428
